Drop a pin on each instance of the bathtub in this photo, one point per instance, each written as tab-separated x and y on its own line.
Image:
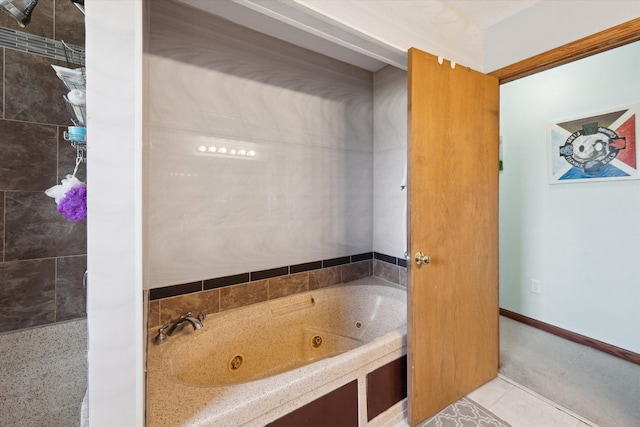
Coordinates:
253	365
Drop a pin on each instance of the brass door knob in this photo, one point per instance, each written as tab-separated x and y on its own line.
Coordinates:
421	258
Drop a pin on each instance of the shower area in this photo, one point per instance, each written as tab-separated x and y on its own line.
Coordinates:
43	332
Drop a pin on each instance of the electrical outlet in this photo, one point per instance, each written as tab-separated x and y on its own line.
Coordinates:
536	286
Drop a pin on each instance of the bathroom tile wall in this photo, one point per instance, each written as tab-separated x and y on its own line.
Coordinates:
213	296
200	298
43	256
391	272
306	194
53	19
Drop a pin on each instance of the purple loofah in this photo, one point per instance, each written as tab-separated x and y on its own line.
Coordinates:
74	203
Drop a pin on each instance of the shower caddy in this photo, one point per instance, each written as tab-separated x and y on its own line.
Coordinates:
76	85
71	194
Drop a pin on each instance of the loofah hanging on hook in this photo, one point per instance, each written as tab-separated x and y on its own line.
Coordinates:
73	205
70	196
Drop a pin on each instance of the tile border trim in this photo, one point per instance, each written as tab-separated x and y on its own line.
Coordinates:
235	279
390	259
31	43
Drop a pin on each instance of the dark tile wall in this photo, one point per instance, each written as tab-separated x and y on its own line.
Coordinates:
68	24
42	255
390	268
251	288
225	293
31	94
2	81
27	293
41	20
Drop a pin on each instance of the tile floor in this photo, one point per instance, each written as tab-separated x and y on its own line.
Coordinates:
602	388
548	381
521	407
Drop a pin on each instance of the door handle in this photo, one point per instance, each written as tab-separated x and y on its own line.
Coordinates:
421	258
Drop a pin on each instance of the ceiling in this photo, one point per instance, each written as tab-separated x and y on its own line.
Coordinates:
373	33
485	13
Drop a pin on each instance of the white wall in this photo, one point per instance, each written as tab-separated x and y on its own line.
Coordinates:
389	161
305	196
582	240
114	232
549	24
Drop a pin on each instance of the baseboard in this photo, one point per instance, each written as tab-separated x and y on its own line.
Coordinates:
572	336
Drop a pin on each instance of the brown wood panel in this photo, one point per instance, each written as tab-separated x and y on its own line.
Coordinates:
627	355
338	408
453	193
386	386
619	35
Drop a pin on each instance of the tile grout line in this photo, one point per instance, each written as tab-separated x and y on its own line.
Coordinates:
4	231
55	288
53	30
9	119
498	398
57	155
4	89
548	401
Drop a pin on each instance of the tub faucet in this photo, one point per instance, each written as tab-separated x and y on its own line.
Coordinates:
196	322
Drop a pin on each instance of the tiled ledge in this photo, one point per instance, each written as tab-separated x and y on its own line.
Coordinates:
225	293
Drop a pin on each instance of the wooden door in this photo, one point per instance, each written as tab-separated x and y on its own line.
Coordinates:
453	209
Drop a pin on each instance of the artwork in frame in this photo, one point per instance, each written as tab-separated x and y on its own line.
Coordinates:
600	147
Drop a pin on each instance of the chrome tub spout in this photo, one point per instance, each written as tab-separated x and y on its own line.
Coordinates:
196	322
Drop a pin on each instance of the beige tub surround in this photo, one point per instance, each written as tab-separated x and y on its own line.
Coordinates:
252	365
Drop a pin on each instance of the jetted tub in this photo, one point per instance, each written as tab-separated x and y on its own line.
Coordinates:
252	365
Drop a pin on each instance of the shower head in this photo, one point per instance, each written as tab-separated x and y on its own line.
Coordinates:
20	10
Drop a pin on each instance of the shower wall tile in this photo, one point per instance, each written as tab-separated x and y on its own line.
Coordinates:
244	294
288	285
71	300
41	20
2	82
35	157
206	302
33	92
35	229
69	23
29	156
27	294
2	194
67	159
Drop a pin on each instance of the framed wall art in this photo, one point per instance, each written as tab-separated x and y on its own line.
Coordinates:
599	147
